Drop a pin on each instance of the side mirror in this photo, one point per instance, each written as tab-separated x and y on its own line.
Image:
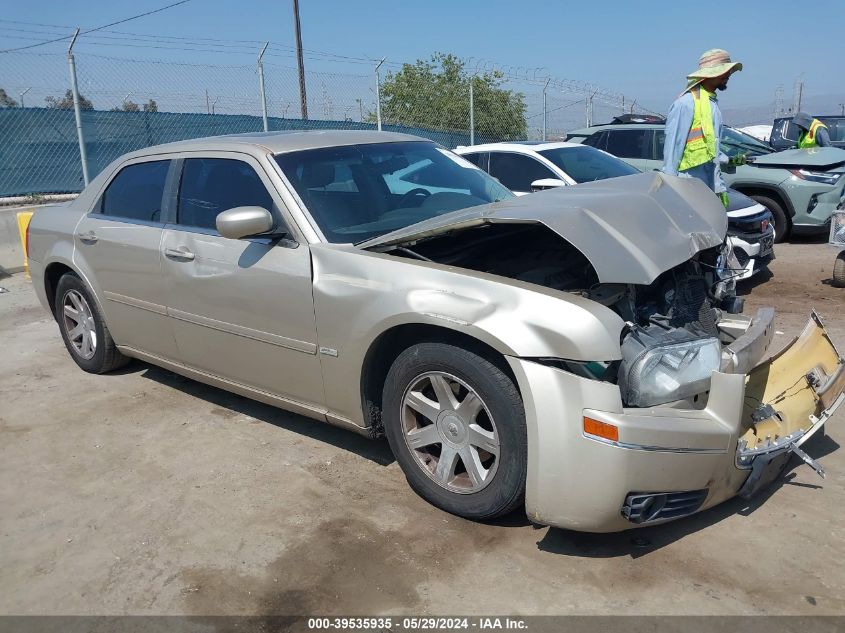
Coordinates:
243	222
547	183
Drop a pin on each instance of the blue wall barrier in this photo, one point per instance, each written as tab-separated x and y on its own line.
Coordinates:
39	151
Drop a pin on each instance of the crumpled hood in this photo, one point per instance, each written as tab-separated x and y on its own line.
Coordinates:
631	228
812	157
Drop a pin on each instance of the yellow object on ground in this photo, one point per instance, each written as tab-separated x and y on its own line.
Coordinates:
23	222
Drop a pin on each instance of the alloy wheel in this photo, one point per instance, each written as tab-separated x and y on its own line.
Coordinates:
79	324
450	432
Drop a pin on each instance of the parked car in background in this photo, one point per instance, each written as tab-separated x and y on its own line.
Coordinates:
760	132
785	133
529	166
800	188
506	346
751	233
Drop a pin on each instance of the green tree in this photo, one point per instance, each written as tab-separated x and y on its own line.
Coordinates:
127	106
151	106
435	94
6	101
66	102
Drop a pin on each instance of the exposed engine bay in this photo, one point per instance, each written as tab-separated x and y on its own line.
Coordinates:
672	332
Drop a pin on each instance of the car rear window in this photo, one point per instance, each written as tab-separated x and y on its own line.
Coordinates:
136	192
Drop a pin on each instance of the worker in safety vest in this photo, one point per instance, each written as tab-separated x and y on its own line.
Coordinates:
813	132
694	124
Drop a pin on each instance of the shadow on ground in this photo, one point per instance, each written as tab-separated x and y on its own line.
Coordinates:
643	541
744	287
376	451
633	543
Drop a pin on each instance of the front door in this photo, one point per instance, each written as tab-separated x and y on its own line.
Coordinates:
118	245
241	310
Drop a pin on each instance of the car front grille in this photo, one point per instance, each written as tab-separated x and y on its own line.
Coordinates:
645	507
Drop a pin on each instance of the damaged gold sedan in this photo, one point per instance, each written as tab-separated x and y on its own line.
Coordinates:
580	352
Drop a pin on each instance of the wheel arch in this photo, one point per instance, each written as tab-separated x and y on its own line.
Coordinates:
766	190
389	344
53	272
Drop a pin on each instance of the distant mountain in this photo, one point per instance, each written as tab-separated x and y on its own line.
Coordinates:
752	115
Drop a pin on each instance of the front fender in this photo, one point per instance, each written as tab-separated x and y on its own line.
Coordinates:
359	295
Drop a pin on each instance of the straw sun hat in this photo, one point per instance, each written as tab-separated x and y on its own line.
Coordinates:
713	63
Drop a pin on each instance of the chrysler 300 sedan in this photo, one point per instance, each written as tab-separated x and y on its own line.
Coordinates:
579	352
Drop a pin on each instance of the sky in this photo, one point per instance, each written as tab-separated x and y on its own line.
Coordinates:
641	49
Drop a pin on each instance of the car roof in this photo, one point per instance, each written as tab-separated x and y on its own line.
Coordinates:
586	131
279	142
519	146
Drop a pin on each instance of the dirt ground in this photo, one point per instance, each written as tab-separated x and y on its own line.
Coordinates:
141	492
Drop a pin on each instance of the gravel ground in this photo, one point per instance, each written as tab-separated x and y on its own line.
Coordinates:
142	492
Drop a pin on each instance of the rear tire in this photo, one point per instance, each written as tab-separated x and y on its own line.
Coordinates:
839	270
465	420
83	328
782	225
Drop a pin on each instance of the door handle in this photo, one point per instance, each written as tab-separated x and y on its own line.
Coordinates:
90	237
179	253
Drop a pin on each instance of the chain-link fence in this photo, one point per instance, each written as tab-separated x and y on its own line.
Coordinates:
127	104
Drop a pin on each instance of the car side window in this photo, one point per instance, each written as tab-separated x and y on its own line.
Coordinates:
791	131
136	192
477	159
627	143
596	140
517	171
659	144
212	185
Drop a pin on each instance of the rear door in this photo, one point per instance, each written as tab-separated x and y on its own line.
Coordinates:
119	242
241	309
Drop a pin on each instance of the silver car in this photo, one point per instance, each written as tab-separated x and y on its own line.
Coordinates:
578	352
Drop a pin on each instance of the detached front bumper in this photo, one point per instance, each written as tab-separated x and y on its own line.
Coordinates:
686	457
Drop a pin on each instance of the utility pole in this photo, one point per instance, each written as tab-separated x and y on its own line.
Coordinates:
471	112
83	156
548	79
23	93
800	94
378	95
360	110
207	103
261	87
302	97
841	105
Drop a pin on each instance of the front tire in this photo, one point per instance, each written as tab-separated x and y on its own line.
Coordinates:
782	225
456	424
839	270
83	328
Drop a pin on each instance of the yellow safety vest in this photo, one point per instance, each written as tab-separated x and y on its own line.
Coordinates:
809	139
700	147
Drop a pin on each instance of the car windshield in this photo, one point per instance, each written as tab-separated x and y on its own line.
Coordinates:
735	142
585	163
358	192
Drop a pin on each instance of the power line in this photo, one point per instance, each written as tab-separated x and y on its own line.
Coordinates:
99	28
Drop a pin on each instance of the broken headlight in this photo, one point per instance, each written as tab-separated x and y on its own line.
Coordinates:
662	364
